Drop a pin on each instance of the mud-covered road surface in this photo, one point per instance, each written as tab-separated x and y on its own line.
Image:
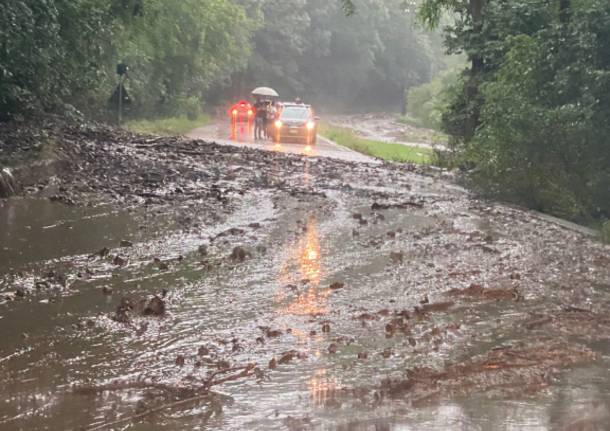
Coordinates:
173	284
220	133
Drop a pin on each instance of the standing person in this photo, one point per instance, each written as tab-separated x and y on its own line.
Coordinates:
271	114
259	119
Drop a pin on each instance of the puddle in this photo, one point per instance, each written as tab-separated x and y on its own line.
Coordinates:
37	230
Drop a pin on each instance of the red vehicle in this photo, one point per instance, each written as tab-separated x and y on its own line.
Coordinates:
296	122
242	118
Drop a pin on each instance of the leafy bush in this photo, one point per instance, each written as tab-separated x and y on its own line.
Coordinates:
427	103
58	51
534	93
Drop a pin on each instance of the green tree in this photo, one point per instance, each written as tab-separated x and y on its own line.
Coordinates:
311	49
54	52
541	136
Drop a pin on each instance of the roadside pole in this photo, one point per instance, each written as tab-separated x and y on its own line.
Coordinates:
120	100
121	70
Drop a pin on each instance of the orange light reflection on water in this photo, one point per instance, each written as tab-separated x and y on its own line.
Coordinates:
322	387
304	262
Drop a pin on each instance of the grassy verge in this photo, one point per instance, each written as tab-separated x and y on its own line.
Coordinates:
382	150
167	126
605	230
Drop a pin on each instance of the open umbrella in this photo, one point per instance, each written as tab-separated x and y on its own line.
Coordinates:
265	91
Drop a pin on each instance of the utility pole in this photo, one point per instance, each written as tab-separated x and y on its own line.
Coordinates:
121	70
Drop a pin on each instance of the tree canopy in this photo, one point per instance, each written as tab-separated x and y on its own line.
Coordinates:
310	48
540	111
55	53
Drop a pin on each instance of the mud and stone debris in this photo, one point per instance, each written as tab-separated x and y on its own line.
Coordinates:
432	277
130	307
476	291
240	254
572	321
520	367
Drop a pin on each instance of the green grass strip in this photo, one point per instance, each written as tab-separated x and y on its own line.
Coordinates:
382	150
167	126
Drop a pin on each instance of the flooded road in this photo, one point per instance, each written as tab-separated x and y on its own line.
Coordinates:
298	293
219	132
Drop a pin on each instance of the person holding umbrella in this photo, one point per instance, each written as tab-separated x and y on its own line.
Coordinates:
263	96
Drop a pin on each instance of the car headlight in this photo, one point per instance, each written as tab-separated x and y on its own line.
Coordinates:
278	124
311	125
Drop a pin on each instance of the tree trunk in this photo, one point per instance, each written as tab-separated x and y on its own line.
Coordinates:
472	86
564	11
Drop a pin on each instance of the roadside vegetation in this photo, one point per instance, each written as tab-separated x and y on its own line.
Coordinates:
183	55
60	54
383	150
528	119
605	232
168	126
426	103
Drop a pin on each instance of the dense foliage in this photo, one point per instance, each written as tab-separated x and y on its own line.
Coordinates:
537	96
427	103
54	52
310	48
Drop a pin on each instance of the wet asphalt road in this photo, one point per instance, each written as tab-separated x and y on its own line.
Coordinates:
219	133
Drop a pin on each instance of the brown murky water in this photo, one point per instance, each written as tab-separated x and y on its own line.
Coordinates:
61	333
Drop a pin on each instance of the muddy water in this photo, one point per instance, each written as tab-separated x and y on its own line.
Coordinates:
38	229
62	334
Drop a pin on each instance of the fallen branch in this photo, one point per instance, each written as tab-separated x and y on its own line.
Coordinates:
143	414
122	386
202	393
246	371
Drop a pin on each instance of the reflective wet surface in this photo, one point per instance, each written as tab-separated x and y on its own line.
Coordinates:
220	134
339	289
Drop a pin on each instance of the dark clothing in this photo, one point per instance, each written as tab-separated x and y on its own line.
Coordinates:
261	109
260	119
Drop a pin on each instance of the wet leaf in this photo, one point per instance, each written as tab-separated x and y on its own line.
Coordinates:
337	285
273	333
287	357
272	364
